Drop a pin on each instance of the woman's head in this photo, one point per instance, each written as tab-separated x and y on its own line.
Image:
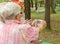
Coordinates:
15	11
11	11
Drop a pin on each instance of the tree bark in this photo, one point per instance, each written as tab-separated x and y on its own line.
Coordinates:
27	9
36	5
47	13
32	3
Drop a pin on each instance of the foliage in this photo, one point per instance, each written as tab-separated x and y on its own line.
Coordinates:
58	1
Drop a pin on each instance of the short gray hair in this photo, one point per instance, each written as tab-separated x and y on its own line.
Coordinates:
9	9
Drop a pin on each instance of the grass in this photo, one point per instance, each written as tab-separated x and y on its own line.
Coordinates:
53	35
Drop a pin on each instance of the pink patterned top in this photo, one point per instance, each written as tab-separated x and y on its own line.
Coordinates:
10	33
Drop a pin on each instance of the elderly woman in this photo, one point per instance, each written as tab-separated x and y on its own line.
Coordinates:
16	32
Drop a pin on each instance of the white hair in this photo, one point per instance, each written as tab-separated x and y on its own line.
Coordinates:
9	8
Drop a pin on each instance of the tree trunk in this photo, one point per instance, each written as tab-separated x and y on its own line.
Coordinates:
27	9
36	5
32	3
41	3
47	13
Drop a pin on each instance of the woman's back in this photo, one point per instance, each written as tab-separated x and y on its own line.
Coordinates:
12	33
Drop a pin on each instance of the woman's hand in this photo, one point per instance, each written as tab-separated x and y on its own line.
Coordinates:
28	21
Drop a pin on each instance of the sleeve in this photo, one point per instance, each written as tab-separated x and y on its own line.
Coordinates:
31	33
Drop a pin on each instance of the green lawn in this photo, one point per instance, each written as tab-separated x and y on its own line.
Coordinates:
53	35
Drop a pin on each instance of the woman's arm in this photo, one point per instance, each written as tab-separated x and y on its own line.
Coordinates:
41	24
32	32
